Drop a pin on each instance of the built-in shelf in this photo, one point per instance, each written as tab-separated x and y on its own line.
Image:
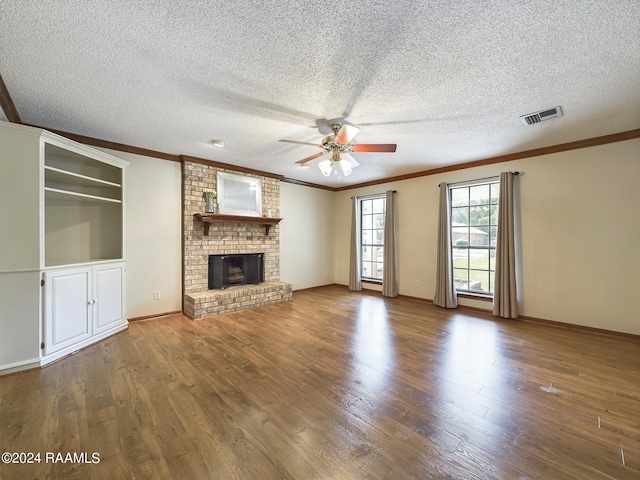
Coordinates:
55	193
54	263
63	176
209	218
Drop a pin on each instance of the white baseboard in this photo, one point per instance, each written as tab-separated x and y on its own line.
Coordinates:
80	345
19	366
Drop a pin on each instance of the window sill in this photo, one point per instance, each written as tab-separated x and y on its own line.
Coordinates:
371	280
475	296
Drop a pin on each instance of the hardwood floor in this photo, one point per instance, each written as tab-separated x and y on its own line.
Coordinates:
334	385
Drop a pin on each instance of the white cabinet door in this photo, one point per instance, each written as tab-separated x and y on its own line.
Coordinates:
108	297
67	308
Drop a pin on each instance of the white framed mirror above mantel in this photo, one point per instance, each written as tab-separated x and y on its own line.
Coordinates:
239	194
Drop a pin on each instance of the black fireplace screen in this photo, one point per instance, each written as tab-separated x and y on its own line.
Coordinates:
241	269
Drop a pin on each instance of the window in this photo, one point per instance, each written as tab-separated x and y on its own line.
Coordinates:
474	229
372	213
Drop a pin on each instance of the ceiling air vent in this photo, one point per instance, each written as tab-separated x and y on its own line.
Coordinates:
541	116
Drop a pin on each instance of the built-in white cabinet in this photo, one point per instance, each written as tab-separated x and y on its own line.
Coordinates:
81	304
67	309
61	245
107	302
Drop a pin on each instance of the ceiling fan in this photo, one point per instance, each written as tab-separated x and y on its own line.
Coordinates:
339	146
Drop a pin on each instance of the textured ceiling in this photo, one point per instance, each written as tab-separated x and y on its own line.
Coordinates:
445	80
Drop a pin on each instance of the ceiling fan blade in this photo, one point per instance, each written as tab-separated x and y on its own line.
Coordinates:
346	134
374	147
302	143
308	159
350	159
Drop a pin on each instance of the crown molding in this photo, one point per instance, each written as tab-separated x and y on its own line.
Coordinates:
228	166
7	105
308	184
563	147
120	147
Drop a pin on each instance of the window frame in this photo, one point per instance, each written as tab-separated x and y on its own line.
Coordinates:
373	244
474	245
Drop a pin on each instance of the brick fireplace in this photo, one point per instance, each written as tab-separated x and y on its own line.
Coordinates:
227	239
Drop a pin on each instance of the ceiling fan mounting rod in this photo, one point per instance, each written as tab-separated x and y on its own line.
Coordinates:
335	127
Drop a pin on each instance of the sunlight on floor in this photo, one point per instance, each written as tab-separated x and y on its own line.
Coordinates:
373	348
471	341
471	373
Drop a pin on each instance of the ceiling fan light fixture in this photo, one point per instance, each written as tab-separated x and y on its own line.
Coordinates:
345	166
325	167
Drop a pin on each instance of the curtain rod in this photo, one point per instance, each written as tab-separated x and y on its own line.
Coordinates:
373	195
478	179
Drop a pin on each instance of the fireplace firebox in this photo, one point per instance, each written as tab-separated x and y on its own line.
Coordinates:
229	270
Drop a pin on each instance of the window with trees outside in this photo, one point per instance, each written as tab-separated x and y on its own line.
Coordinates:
372	213
474	228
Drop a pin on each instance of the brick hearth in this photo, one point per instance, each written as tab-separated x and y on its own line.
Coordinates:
215	302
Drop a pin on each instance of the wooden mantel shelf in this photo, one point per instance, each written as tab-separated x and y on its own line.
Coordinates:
209	218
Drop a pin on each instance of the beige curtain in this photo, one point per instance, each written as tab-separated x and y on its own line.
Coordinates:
355	281
505	301
390	276
445	292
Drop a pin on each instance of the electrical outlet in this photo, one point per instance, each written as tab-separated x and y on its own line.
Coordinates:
156	295
417	283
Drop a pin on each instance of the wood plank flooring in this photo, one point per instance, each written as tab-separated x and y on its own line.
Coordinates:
334	385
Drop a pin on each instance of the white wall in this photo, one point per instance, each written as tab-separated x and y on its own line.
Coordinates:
579	231
153	234
579	217
580	236
20	306
306	236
